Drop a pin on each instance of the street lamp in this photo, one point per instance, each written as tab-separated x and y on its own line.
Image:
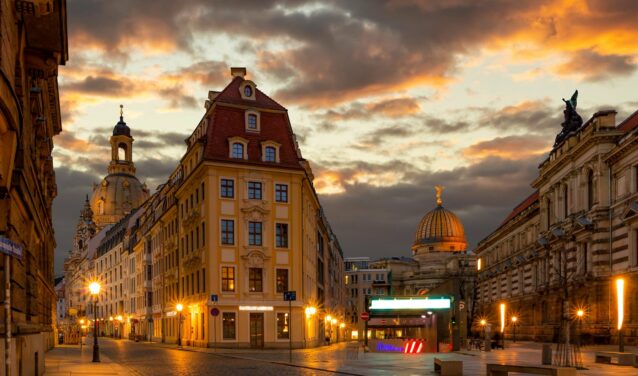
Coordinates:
502	308
179	308
580	313
620	293
94	288
514	320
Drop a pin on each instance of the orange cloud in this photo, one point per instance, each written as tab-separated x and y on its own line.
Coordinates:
509	147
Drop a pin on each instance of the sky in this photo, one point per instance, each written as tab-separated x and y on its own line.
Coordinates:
387	98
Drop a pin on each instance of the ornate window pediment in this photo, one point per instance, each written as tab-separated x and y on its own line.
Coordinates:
254	258
631	212
255	213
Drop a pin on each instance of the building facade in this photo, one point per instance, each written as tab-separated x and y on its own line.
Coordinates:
33	45
562	248
237	224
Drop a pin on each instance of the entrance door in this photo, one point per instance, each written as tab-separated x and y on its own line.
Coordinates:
256	330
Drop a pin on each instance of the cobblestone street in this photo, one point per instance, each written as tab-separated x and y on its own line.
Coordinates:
125	357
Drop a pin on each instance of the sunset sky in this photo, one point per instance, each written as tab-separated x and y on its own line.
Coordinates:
387	98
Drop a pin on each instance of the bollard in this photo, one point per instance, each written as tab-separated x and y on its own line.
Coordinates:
547	354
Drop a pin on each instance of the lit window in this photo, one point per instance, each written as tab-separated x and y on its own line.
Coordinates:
238	150
254	190
248	91
282	326
255	280
281	192
282	280
270	154
252	121
228	278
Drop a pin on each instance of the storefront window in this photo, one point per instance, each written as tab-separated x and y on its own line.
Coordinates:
228	323
282	326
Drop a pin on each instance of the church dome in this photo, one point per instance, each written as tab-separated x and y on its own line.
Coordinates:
116	196
440	230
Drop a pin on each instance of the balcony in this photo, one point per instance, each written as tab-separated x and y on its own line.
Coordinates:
380	282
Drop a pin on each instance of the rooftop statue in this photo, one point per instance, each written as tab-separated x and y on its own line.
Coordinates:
572	122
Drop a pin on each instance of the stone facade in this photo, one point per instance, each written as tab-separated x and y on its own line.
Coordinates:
557	253
33	44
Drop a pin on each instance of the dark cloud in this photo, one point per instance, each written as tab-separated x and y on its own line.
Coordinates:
381	221
176	98
594	66
73	186
208	73
99	85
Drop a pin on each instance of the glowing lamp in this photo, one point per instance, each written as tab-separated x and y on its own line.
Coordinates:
342	325
514	319
310	311
328	318
580	313
620	292
179	307
119	318
502	317
333	321
94	288
483	322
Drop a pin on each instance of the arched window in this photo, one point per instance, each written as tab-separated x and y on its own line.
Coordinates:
100	207
238	150
270	154
121	148
590	189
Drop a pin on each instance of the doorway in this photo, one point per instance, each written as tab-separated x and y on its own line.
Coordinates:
257	330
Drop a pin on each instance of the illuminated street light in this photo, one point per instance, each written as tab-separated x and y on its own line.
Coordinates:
119	318
333	321
94	288
328	318
620	293
580	313
179	307
310	311
514	320
483	322
342	325
502	317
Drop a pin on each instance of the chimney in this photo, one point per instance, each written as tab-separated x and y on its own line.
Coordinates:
238	71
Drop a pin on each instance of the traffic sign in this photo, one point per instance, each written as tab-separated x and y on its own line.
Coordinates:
365	316
214	311
214	298
290	296
10	248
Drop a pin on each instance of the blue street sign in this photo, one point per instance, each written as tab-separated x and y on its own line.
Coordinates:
214	298
10	248
290	296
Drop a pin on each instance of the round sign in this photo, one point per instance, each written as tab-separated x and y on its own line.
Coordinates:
365	316
214	312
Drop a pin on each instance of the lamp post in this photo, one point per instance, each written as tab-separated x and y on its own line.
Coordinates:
310	311
579	314
332	323
620	293
94	288
514	320
179	308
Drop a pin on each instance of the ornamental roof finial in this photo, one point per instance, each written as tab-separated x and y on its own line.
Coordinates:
438	189
121	112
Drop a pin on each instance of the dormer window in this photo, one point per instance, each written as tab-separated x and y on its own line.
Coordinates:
270	151
247	90
270	154
238	148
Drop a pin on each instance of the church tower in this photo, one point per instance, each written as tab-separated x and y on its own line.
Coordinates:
120	191
84	231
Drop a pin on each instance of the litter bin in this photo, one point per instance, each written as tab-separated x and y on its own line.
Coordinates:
547	354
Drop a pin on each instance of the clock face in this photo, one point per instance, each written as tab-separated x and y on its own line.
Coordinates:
248	91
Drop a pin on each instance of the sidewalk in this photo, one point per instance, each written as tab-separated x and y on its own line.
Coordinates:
67	360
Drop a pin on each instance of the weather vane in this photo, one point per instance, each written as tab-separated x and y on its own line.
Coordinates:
439	189
121	110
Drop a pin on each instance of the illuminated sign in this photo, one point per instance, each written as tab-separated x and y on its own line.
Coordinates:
410	304
411	346
255	308
171	314
388	347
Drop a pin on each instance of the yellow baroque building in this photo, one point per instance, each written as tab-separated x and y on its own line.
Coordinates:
237	224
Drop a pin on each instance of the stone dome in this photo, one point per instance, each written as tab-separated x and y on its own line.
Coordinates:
116	196
440	230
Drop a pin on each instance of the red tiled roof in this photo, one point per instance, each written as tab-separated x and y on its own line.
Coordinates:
630	123
231	95
225	122
520	207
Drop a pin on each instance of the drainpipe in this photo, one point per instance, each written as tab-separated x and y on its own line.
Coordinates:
610	252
